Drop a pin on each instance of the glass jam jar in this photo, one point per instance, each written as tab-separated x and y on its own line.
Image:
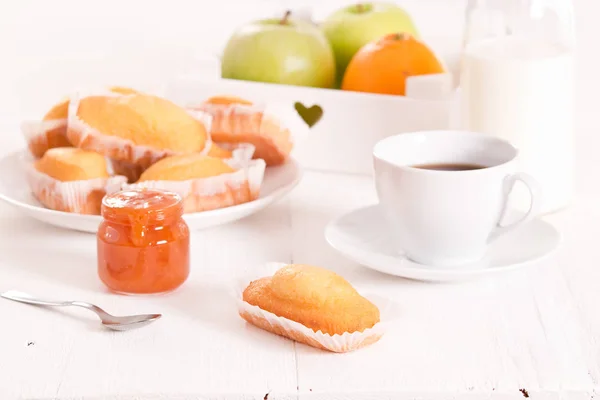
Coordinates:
143	242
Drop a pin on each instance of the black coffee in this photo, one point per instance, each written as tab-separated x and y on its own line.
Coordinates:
449	167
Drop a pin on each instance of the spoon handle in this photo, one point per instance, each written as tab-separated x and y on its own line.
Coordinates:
26	298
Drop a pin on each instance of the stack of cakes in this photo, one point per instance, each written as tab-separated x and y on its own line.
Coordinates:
214	154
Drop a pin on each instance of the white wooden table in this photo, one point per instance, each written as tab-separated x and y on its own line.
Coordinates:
535	332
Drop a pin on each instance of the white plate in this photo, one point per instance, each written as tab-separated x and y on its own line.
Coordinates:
361	235
14	190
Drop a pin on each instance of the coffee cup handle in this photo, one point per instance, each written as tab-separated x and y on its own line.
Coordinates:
535	195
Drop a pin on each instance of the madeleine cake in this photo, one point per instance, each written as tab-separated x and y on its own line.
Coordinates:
205	182
320	301
219	151
71	180
237	120
138	129
51	132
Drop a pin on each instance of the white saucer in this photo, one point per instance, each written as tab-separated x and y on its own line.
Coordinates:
278	181
361	235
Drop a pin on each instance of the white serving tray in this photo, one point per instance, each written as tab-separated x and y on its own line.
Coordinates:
352	122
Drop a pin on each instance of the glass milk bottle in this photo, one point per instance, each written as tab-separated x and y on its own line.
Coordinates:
517	84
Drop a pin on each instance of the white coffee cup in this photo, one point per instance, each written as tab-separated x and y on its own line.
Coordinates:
447	218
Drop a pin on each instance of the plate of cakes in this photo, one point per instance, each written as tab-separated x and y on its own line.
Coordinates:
225	156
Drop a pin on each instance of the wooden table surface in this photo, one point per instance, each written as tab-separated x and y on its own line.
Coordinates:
534	332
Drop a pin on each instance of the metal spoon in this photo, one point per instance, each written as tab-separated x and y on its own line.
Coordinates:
109	321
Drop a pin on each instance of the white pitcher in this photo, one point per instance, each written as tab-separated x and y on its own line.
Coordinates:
517	84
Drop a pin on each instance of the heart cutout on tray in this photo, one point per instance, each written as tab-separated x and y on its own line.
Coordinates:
310	115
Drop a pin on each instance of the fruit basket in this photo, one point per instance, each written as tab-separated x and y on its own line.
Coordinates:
344	124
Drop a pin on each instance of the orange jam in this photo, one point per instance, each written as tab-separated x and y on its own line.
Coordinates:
143	242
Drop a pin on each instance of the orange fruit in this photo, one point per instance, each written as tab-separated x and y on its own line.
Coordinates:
383	65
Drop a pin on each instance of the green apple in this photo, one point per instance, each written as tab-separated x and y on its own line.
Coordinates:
285	51
351	27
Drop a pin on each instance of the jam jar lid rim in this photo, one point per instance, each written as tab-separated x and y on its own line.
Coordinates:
176	196
174	209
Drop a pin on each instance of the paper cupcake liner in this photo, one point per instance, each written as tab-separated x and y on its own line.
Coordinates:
81	197
204	194
273	128
86	137
43	135
300	333
284	118
46	134
241	152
